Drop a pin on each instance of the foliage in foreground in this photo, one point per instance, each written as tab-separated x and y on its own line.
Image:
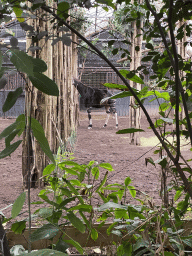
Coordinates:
81	195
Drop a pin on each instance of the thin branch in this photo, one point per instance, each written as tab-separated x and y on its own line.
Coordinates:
176	79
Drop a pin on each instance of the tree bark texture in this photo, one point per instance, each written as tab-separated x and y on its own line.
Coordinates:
135	113
57	115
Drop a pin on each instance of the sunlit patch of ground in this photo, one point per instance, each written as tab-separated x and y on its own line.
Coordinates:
153	141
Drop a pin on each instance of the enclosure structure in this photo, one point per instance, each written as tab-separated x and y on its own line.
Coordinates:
14	79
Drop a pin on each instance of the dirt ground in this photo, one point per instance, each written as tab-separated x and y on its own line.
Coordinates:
100	144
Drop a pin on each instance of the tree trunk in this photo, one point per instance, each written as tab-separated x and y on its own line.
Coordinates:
135	113
57	115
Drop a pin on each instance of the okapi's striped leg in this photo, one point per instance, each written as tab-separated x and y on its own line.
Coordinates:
107	118
89	117
116	119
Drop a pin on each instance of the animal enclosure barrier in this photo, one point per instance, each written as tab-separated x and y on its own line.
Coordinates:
13	82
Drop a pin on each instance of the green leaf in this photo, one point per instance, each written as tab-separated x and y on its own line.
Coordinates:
61	246
102	182
168	254
129	130
22	62
121	95
95	172
18	227
11	99
94	234
167	120
82	207
76	222
18	204
10	137
45	252
47	231
149	46
73	190
76	245
62	9
45	212
8	130
110	205
131	76
48	169
127	181
115	86
132	191
39	134
18	12
44	84
10	149
106	166
38	65
177	195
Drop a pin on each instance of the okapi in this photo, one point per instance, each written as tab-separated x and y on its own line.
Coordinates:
92	97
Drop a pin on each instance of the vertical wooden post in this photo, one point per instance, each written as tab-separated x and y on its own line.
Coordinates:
57	115
135	113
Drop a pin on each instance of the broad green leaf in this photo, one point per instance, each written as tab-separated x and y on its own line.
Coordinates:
20	121
10	149
169	254
39	134
45	212
131	76
95	172
10	137
18	12
44	84
11	99
38	65
177	195
73	190
18	227
110	205
69	170
122	95
102	182
76	222
115	86
167	120
45	252
8	130
61	246
121	214
18	204
48	169
106	166
129	130
94	234
47	231
139	243
132	191
22	62
127	181
76	245
82	207
62	9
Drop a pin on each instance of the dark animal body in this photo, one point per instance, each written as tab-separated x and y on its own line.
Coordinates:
92	97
